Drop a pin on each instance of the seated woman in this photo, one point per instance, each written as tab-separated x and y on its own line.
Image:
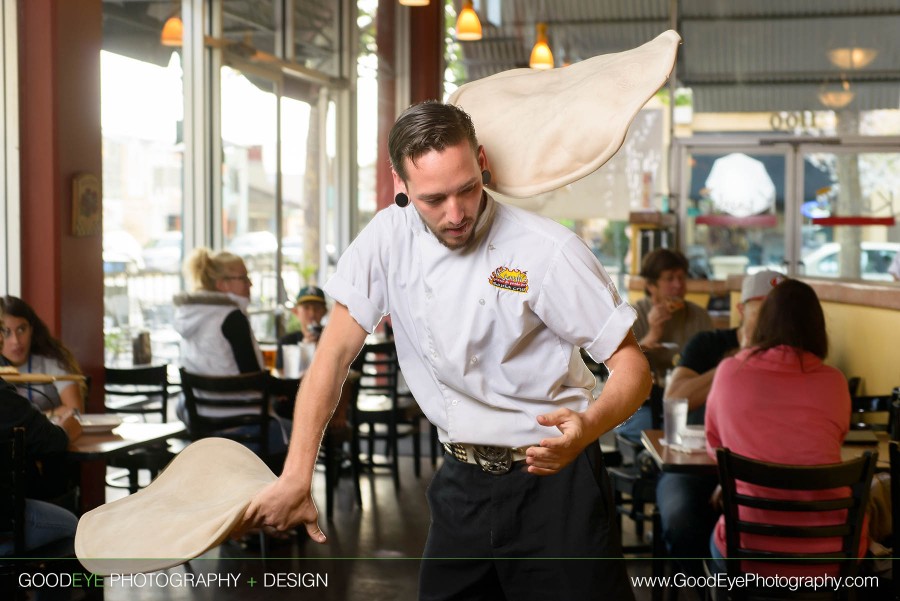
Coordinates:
28	346
45	441
664	316
778	402
216	338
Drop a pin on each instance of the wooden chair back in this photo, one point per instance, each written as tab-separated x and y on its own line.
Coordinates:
855	476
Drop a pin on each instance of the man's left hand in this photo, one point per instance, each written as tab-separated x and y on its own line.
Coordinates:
554	454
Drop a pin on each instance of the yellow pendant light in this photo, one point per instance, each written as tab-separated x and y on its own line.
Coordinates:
414	2
172	32
541	57
468	27
837	98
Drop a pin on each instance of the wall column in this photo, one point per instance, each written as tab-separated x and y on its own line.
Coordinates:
59	86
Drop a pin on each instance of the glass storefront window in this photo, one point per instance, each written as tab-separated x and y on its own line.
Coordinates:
734	219
317	35
250	24
142	105
249	184
848	227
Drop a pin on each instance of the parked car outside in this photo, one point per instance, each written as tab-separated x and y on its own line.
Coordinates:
256	248
874	260
163	254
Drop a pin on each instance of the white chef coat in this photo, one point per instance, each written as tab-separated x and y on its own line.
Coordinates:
487	338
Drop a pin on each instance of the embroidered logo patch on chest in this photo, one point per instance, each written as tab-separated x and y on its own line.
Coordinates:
509	279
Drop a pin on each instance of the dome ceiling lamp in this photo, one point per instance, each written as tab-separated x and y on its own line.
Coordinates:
468	26
541	56
851	58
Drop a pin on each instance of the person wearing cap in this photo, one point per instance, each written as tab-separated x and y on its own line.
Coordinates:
490	306
686	515
309	309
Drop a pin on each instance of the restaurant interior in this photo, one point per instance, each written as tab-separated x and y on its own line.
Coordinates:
134	131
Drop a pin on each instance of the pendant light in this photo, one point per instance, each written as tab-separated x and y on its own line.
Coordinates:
414	2
172	32
468	27
541	57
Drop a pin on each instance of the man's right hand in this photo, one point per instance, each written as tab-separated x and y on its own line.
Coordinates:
281	506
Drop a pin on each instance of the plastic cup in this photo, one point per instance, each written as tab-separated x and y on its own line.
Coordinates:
290	353
674	419
307	350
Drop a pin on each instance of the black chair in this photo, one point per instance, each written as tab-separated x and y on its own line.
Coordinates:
871	412
895	505
234	407
634	493
634	479
855	475
405	398
49	558
331	451
142	390
379	413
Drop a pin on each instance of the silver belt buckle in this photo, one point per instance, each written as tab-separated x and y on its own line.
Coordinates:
493	460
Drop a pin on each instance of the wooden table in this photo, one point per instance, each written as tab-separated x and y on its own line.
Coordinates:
702	464
124	438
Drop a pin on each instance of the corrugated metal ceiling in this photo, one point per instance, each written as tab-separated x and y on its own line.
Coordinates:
738	55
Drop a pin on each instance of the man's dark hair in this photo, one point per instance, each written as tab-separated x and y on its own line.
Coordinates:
792	315
660	260
428	126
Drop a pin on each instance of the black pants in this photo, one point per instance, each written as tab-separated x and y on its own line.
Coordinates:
521	537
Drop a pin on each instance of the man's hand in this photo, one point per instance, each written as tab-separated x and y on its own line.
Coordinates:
656	320
66	419
553	454
280	507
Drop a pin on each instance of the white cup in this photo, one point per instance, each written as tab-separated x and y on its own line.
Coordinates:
307	350
674	419
290	354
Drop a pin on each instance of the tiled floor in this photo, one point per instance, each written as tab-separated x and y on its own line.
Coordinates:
372	554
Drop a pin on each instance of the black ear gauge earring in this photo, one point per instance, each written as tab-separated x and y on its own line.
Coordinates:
485	177
401	200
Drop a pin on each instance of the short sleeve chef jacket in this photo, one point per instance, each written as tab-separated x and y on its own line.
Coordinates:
487	338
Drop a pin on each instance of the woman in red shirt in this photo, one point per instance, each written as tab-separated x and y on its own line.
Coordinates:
778	402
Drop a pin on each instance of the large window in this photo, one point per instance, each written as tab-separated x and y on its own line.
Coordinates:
10	266
142	108
797	206
219	136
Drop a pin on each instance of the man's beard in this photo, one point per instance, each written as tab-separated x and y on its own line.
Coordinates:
458	242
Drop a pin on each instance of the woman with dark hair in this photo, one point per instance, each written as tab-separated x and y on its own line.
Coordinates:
778	402
29	346
46	440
